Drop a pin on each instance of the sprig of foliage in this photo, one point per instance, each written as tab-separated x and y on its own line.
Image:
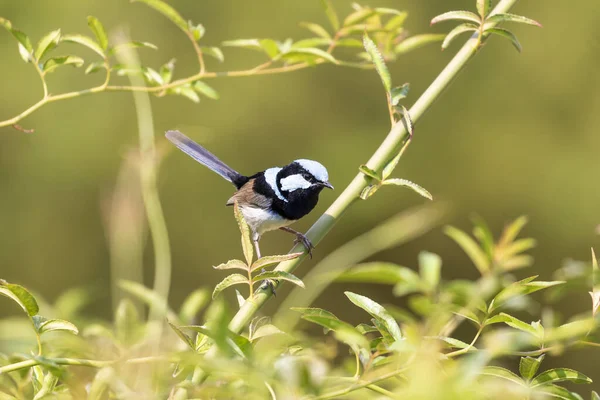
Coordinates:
282	56
484	23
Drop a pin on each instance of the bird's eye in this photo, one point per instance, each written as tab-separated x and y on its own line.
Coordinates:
307	177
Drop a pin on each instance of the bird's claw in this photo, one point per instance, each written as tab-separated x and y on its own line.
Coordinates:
268	284
300	238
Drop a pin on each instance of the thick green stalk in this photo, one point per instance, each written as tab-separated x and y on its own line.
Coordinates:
386	151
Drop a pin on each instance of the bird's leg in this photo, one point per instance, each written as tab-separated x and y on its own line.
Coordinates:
300	238
255	239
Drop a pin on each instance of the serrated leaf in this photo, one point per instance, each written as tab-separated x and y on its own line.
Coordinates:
364	328
398	93
378	61
457	15
502	373
183	336
411	185
520	288
245	231
268	261
233	264
358	16
193	304
454	33
468	314
368	191
528	366
279	275
416	42
470	247
240	299
21	296
314	312
204	89
265	330
408	123
378	272
214	52
560	375
370	172
313	51
430	265
515	323
84	41
57	325
233	279
47	43
316	29
95	67
507	35
331	14
167	11
52	63
378	312
483	7
498	18
558	392
98	30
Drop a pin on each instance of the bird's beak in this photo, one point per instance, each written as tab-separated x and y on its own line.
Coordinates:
327	185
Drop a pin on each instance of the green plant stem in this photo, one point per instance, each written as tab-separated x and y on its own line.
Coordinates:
77	362
154	213
359	385
469	347
386	151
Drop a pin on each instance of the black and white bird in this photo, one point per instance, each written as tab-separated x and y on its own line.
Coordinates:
271	199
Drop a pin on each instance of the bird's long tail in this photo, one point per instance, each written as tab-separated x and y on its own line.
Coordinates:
206	158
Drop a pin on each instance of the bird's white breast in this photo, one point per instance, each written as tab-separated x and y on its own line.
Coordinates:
260	220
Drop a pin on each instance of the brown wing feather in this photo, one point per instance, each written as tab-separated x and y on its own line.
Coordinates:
246	196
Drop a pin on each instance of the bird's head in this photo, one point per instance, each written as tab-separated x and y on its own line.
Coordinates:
303	175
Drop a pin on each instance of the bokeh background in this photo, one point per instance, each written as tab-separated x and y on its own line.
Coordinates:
515	134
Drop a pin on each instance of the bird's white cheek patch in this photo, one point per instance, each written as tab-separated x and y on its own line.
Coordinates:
294	182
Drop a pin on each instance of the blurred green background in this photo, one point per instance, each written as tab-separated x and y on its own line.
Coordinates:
515	134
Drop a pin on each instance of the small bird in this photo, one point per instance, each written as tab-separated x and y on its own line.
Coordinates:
271	199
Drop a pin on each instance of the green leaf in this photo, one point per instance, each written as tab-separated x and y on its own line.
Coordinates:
100	386
95	67
48	325
389	168
183	336
233	264
515	323
457	15
132	45
408	123
364	328
520	288
245	43
416	42
279	275
498	18
245	230
455	343
507	35
316	29
349	42
214	52
411	185
595	396
370	172
454	33
368	191
378	61
193	304
470	315
21	296
23	40
311	43
46	44
268	261
240	299
52	63
270	47
483	7
127	322
166	71
430	265
558	392
560	375
197	31
331	14
511	231
265	330
84	41
98	30
528	366
343	331
167	11
186	91
571	330
318	53
314	312
203	88
148	296
470	247
378	272
398	93
233	279
502	373
378	312
358	16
